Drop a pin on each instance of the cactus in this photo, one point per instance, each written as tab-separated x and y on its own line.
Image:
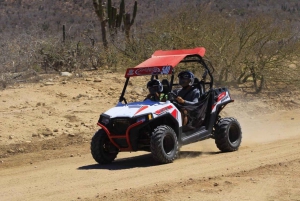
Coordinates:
98	5
112	16
109	13
64	33
115	19
121	13
127	22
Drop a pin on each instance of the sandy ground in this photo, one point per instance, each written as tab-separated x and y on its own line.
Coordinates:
46	128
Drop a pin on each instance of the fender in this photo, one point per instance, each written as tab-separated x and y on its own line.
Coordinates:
222	99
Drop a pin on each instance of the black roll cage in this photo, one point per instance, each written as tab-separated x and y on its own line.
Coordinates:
188	59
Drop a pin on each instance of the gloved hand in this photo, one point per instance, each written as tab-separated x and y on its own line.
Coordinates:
179	100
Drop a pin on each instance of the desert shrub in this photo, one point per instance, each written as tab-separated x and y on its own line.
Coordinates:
252	50
69	56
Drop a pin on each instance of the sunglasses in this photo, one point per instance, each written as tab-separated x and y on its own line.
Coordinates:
186	76
153	86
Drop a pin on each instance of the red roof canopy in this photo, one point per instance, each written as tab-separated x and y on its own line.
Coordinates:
163	62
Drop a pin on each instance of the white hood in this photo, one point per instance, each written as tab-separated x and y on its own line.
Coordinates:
135	108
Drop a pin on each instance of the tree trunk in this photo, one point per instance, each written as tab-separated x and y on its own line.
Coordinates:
258	87
240	78
223	74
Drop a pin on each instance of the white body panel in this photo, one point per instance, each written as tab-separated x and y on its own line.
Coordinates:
136	109
222	98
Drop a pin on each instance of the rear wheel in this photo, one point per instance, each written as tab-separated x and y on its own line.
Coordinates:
103	151
228	134
164	144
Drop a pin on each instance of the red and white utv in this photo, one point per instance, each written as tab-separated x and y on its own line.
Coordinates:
157	126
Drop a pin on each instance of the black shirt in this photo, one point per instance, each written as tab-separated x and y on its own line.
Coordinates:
189	94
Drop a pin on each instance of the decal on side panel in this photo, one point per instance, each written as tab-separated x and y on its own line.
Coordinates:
163	110
221	98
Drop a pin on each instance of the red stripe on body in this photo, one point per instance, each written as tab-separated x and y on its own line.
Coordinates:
141	109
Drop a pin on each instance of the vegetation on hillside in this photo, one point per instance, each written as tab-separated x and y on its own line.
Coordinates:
251	43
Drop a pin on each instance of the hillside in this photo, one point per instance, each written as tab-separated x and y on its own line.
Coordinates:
46	17
32	32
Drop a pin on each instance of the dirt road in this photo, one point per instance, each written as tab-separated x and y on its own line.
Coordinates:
58	166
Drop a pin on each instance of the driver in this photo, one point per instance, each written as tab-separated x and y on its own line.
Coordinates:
188	95
155	88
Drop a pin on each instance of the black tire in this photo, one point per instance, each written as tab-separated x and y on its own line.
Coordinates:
103	151
164	144
228	134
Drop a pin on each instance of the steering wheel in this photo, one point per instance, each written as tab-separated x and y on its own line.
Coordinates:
172	96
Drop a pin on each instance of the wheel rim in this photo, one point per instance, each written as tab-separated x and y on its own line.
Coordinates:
168	144
234	133
107	148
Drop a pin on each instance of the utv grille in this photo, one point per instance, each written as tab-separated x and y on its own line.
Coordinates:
119	126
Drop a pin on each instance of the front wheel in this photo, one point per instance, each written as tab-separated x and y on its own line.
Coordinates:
164	144
103	151
228	134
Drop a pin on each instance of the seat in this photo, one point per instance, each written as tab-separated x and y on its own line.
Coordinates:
198	112
166	86
199	84
196	82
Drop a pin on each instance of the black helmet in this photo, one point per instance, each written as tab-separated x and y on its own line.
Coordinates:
184	76
155	86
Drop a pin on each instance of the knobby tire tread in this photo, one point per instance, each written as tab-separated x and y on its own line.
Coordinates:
97	150
156	144
221	135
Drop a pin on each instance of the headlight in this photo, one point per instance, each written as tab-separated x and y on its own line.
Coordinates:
144	118
104	120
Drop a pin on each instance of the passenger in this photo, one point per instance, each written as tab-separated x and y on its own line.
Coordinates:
155	91
188	95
